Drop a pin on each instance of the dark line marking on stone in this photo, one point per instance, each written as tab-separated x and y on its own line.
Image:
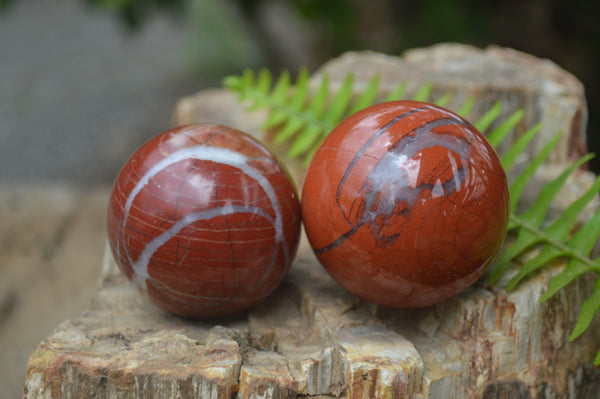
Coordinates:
364	148
404	141
338	241
175	214
228	230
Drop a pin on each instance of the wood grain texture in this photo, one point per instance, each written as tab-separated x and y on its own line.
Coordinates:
311	337
546	92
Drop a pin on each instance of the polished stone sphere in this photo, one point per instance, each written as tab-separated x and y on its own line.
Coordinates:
405	204
204	220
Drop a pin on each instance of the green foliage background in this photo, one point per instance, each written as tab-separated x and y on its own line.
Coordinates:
230	33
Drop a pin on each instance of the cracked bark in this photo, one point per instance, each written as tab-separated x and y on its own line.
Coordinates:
313	338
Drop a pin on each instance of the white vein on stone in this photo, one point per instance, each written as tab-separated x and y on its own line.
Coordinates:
217	155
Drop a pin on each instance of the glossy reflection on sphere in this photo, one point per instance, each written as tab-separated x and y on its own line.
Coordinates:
204	220
405	204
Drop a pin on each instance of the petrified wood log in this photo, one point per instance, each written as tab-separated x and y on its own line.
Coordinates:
311	337
544	91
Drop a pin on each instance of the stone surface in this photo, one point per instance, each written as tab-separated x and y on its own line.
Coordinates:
312	337
204	220
415	202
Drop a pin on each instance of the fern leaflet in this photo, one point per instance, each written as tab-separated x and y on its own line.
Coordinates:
303	119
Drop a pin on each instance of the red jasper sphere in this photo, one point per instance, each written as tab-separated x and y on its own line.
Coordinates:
204	220
405	204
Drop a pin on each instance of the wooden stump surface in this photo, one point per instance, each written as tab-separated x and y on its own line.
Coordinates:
313	338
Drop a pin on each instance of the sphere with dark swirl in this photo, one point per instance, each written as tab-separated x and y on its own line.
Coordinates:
405	204
204	220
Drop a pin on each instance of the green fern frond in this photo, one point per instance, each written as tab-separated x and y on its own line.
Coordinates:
556	233
367	97
397	93
496	136
588	310
424	92
489	117
443	100
511	155
583	240
466	107
303	119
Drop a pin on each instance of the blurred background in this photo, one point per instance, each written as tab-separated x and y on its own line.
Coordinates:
84	82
